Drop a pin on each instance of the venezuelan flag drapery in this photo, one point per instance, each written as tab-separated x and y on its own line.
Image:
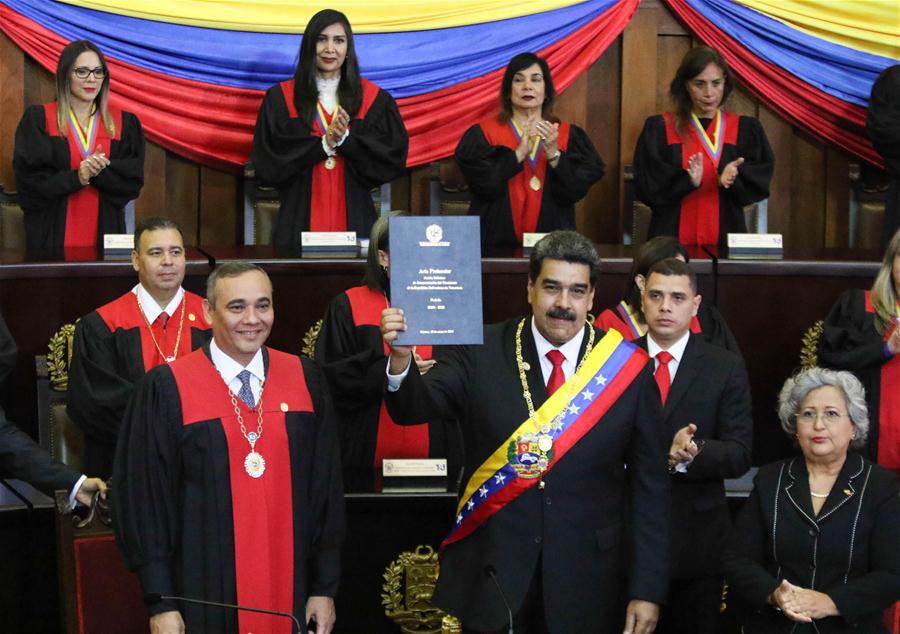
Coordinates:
812	61
195	72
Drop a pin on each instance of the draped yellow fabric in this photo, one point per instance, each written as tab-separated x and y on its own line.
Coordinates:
872	26
291	16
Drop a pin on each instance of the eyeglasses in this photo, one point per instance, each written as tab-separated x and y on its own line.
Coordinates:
809	417
82	72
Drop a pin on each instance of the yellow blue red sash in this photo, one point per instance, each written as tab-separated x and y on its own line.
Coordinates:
713	148
582	402
85	138
323	117
629	318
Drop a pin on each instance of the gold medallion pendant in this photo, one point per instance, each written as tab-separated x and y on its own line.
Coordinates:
535	183
254	464
330	163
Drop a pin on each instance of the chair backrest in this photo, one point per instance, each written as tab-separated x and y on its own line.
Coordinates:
97	591
58	433
12	222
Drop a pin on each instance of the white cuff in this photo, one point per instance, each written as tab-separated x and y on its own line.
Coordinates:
75	488
333	151
394	380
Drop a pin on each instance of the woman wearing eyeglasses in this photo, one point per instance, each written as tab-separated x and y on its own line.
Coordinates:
814	548
78	161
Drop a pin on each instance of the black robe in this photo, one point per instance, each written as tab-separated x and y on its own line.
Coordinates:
849	341
285	151
488	169
109	357
179	513
44	179
352	357
883	126
661	182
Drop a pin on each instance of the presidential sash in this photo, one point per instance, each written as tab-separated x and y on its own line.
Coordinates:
566	416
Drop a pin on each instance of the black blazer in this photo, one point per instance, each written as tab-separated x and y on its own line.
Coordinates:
575	526
22	458
711	390
850	550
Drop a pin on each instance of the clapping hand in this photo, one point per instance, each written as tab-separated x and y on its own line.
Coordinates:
340	123
695	168
726	178
92	165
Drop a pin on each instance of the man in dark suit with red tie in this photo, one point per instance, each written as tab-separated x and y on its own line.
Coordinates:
565	514
707	415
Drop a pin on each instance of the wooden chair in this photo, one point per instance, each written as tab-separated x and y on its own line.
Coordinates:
98	593
57	432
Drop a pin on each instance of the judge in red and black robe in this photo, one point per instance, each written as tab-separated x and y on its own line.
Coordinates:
353	355
193	522
111	351
327	137
698	168
54	152
526	169
851	341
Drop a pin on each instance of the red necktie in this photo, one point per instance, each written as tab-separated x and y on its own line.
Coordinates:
557	378
663	380
163	319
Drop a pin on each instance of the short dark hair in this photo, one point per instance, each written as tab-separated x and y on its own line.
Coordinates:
154	224
306	93
648	254
519	63
674	266
693	63
567	246
226	270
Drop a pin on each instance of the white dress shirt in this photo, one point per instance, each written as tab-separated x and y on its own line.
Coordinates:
151	309
229	369
676	350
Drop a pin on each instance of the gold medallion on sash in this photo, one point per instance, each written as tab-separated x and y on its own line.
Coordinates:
330	162
535	183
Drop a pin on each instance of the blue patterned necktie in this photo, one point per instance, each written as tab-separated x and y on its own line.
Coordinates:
246	394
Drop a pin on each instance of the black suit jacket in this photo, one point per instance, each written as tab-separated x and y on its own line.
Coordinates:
576	527
711	390
849	550
22	458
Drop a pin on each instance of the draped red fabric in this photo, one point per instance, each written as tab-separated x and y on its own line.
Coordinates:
826	117
213	125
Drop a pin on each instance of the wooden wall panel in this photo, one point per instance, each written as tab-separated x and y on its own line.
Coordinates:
183	196
809	193
12	104
221	209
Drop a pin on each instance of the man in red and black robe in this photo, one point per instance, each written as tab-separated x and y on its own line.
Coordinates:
227	476
115	345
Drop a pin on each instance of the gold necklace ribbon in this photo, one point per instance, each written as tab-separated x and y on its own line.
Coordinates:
168	359
254	463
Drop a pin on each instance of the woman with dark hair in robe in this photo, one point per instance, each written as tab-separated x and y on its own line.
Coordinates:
697	168
353	355
78	160
327	137
526	169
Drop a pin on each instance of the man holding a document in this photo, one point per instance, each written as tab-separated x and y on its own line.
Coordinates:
565	513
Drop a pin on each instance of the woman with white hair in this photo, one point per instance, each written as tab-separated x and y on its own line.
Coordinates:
815	547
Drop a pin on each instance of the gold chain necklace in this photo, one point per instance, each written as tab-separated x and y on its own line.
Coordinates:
254	463
168	359
544	439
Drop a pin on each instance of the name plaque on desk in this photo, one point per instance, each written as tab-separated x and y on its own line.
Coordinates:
436	278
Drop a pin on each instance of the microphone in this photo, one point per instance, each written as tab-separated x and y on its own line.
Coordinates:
155	597
491	572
